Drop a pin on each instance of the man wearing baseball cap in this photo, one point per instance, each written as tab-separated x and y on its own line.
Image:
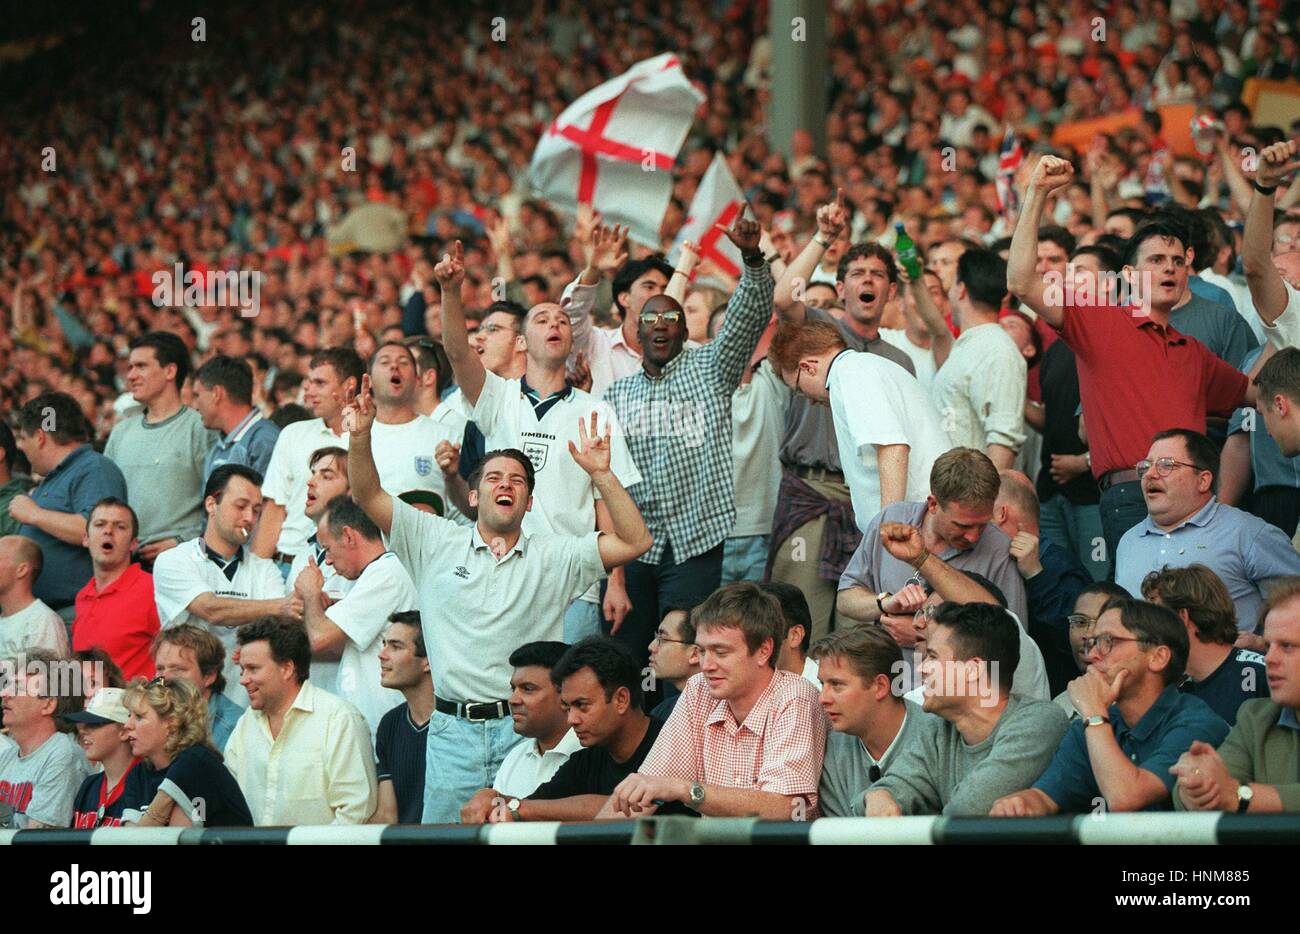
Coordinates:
101	733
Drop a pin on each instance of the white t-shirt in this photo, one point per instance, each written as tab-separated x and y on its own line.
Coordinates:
476	610
980	390
757	425
564	498
404	454
524	769
183	573
384	588
1285	331
1028	680
922	357
875	401
35	626
288	472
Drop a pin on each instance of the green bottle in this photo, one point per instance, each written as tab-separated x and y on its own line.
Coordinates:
906	251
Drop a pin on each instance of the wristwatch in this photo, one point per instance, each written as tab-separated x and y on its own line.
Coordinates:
697	796
1095	721
1245	794
880	601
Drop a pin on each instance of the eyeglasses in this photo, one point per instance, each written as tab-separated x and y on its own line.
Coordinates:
661	638
1105	643
1164	466
1080	619
490	329
654	317
927	613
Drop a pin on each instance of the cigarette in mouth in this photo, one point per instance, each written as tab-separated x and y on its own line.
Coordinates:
243	533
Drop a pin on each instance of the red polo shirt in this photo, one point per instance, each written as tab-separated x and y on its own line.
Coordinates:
122	620
1137	378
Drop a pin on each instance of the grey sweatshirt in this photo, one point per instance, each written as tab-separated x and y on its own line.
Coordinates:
847	766
939	773
163	467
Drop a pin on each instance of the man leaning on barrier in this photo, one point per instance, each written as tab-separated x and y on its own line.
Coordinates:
1256	770
746	739
985	740
1133	722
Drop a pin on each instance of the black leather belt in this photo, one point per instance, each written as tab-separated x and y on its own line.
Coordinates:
281	558
473	712
1116	477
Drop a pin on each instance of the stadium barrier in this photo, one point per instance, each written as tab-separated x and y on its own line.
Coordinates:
1088	830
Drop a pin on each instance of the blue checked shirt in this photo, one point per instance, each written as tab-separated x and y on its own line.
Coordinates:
679	428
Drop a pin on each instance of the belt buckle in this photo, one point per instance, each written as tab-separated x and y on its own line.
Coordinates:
473	719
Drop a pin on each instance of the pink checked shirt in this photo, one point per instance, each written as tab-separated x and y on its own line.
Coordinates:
779	747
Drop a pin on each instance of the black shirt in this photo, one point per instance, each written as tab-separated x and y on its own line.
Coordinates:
1241	677
85	808
400	746
200	784
1058	376
593	771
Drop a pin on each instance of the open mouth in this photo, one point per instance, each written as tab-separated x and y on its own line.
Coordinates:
395	382
1168	284
504	499
866	296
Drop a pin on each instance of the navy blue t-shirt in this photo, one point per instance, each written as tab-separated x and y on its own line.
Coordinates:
399	747
1241	677
86	812
200	784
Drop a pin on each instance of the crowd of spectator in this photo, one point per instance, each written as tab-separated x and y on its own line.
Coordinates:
474	511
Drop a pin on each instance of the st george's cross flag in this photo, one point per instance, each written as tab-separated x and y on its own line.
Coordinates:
718	200
614	147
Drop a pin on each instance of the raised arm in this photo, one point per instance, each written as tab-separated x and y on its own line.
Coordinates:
687	260
358	416
1267	288
1238	184
904	542
465	364
831	219
1023	281
630	538
606	249
923	302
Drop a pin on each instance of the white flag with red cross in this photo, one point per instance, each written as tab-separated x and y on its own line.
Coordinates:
718	200
615	146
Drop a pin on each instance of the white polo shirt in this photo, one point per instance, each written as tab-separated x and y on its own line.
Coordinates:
524	769
564	498
185	572
875	401
476	610
384	588
404	458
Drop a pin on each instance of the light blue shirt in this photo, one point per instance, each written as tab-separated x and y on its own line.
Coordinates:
1244	550
250	444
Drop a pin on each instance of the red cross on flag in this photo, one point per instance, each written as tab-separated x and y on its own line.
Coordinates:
614	147
717	201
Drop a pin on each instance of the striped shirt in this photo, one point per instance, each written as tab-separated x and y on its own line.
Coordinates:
678	428
779	748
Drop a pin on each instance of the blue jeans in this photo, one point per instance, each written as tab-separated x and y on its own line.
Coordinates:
460	758
581	619
1122	507
1076	528
744	558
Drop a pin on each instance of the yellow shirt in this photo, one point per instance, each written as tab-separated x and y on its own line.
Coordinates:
319	770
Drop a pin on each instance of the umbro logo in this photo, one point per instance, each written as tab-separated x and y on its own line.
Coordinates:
462	572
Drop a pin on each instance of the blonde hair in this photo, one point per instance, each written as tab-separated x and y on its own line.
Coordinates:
175	700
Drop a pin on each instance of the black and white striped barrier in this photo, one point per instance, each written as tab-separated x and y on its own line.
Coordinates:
1088	830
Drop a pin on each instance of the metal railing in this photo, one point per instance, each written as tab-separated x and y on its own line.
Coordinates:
1087	830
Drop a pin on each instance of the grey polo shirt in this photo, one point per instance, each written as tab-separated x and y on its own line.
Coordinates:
1218	327
810	429
79	481
876	569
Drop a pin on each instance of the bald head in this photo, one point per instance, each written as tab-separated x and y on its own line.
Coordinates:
1016	508
1288	267
21	562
